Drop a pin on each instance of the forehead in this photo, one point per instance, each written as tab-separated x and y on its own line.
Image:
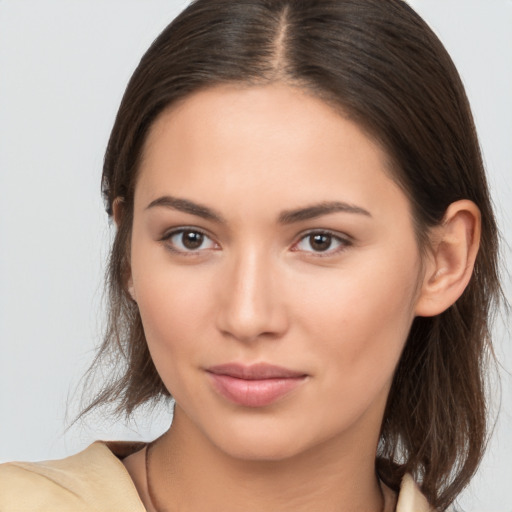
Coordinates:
274	142
274	113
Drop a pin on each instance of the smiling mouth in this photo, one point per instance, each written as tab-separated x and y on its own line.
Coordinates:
256	385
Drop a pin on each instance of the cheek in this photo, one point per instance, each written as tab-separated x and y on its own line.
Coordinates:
361	320
172	302
172	307
171	312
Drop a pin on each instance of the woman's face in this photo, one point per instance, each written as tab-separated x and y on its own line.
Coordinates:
276	270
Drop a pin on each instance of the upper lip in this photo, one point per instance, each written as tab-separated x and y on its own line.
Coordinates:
258	371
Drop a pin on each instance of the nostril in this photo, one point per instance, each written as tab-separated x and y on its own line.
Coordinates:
248	321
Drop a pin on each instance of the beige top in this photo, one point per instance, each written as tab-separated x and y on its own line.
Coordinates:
95	480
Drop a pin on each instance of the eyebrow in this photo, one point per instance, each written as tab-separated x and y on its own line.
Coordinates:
187	206
285	217
317	210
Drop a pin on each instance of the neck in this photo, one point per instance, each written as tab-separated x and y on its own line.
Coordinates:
189	473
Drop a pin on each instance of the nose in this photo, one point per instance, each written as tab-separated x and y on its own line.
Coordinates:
251	304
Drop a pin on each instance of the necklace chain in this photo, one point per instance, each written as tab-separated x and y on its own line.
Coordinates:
152	497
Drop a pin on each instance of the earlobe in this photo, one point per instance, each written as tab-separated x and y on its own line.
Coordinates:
117	210
117	213
131	289
454	246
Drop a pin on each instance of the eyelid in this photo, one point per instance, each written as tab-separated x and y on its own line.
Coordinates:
344	239
180	229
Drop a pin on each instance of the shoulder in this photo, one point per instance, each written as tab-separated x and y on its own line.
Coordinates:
94	479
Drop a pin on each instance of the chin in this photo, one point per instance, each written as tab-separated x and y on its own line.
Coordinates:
264	451
261	444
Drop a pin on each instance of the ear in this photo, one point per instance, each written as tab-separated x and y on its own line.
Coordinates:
117	210
117	213
130	288
448	269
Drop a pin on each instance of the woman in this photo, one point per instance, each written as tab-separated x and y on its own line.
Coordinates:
305	260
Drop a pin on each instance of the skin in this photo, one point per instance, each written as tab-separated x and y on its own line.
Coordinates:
257	290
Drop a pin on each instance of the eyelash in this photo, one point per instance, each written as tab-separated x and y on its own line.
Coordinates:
343	242
170	234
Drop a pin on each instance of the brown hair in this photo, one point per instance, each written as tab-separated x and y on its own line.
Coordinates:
385	69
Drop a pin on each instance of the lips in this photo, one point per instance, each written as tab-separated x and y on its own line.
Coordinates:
256	385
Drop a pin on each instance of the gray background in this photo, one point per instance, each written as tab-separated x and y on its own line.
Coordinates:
63	68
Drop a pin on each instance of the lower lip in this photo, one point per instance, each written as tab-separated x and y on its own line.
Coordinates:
254	393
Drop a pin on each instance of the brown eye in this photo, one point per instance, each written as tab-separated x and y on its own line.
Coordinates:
188	241
320	242
192	239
